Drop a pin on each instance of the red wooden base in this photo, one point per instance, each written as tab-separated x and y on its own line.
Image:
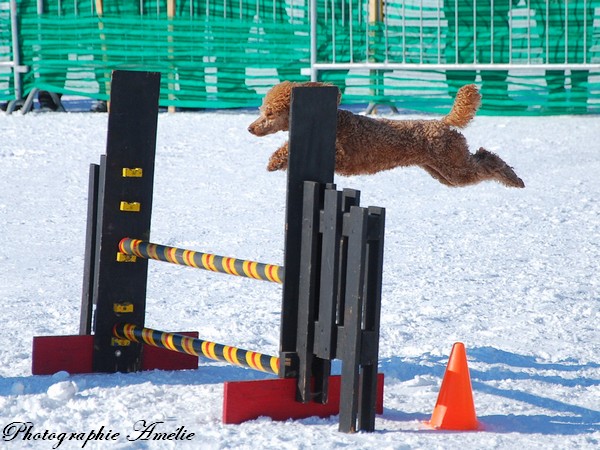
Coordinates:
74	354
248	400
53	354
242	401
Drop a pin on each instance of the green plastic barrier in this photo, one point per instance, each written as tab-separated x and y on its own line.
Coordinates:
226	54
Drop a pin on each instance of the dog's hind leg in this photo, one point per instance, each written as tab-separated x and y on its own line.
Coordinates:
279	159
473	169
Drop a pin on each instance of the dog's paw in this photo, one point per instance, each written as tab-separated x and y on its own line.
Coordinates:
277	164
279	159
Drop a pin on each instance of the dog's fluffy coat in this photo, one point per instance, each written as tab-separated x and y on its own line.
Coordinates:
365	145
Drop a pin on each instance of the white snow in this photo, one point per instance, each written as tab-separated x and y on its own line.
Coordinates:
511	273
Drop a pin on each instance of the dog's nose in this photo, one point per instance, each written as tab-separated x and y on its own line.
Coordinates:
252	128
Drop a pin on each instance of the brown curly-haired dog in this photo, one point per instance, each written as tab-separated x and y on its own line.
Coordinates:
366	145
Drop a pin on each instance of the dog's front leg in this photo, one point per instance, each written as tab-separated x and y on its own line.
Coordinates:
279	159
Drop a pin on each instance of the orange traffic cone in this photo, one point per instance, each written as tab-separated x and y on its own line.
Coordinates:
455	409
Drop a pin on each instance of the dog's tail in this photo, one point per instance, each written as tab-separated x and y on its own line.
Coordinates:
465	106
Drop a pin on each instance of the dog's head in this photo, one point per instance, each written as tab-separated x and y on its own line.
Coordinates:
275	109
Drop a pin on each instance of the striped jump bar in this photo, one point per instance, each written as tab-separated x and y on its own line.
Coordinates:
197	347
199	260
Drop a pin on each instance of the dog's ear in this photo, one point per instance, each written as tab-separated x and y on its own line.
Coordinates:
279	92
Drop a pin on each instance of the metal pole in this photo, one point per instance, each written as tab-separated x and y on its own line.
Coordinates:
585	30
449	66
566	28
196	347
199	260
16	50
492	31
314	73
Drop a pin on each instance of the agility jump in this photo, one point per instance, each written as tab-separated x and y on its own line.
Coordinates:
331	298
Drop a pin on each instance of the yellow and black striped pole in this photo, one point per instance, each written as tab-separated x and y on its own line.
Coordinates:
199	260
197	347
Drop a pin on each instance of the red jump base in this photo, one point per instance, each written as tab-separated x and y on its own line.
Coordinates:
74	354
242	400
249	400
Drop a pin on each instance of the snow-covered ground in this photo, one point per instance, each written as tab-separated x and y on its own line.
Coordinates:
511	273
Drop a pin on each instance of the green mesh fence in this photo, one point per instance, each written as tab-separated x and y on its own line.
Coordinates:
6	87
458	35
208	58
224	53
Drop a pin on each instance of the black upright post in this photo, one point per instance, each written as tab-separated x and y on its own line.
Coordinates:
350	342
125	206
371	319
358	346
91	235
313	119
309	365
